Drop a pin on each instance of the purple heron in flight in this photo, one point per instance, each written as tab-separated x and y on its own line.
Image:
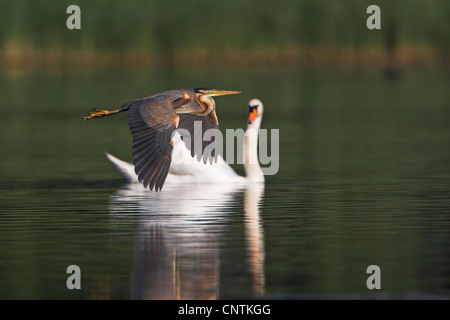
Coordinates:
153	120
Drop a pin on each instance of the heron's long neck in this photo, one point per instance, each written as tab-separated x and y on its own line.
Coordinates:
206	103
253	171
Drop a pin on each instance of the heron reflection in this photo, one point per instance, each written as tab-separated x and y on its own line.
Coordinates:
177	242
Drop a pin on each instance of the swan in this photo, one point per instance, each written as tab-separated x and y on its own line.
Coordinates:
187	169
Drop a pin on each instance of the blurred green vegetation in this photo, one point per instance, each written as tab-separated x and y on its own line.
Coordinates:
176	31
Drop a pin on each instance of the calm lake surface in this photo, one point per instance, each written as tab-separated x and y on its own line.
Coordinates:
364	179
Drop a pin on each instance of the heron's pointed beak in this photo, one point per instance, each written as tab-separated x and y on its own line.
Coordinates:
216	93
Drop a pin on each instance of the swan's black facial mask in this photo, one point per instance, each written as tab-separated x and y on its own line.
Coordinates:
252	113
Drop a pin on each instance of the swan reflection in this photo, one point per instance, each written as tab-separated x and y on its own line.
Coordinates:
177	242
255	236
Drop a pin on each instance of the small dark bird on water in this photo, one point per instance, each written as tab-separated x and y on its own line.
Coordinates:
153	120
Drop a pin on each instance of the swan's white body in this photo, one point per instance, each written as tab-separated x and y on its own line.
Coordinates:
191	171
186	169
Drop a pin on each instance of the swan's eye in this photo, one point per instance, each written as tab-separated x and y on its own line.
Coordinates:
251	108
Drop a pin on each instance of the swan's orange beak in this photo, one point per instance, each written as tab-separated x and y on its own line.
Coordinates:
252	115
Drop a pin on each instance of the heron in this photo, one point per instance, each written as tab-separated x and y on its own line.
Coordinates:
152	121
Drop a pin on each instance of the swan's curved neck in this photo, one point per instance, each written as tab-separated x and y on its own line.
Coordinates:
253	171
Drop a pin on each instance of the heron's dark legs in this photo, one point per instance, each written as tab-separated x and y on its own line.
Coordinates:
97	113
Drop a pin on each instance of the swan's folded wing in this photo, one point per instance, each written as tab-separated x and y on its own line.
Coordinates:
197	126
152	122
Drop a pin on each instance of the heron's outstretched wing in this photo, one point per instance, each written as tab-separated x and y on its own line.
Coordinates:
197	144
152	122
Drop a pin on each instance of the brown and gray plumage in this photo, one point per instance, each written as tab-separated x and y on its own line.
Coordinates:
154	119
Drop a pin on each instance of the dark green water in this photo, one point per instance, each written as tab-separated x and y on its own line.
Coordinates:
364	180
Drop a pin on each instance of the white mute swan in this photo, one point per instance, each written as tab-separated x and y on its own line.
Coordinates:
187	169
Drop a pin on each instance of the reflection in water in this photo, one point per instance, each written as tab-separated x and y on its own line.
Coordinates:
255	235
176	251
